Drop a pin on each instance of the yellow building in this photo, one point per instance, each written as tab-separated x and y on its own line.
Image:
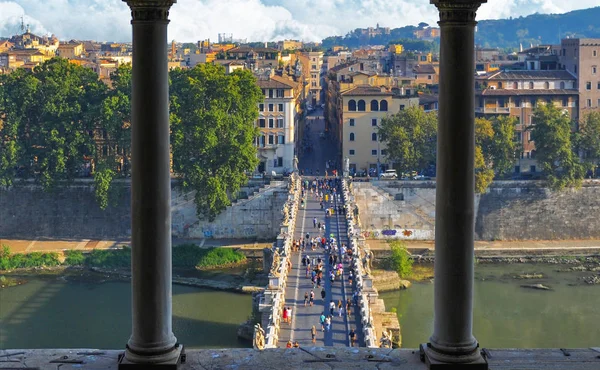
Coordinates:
396	49
70	50
363	108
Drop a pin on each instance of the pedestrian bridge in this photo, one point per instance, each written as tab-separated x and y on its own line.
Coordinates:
290	279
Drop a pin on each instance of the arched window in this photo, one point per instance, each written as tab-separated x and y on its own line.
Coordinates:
374	105
499	84
515	85
562	84
546	85
374	136
531	85
383	106
352	136
361	105
352	105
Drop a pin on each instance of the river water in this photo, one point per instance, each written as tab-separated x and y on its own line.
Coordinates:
55	313
506	315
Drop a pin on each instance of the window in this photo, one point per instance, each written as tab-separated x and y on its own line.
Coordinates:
401	106
261	122
429	77
532	168
361	105
374	152
351	152
598	85
374	105
313	84
280	107
279	122
531	85
271	123
314	59
351	121
264	92
515	85
374	136
383	151
280	139
280	93
271	139
565	102
352	136
261	107
589	103
594	53
499	84
562	84
314	66
374	122
279	161
518	137
271	108
262	141
352	105
270	93
546	85
383	105
593	70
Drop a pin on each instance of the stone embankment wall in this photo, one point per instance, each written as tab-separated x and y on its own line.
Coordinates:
369	305
276	262
509	210
70	212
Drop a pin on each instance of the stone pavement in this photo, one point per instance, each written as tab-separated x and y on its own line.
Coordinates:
304	317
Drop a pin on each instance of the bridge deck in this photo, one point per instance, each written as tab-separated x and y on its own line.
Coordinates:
304	317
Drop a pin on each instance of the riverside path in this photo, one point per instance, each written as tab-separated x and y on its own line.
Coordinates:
304	317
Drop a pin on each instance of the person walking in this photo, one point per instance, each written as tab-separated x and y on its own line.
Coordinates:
322	321
331	307
306	299
328	323
323	294
352	336
313	334
312	298
314	222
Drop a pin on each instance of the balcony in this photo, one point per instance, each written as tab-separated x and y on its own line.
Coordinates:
494	110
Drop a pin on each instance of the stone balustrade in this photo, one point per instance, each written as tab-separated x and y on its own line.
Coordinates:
364	283
274	295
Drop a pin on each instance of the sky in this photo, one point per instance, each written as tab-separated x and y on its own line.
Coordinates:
254	20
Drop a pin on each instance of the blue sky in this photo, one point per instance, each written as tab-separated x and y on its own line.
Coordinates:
192	20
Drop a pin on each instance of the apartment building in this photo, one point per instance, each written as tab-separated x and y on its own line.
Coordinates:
277	122
581	57
315	59
517	93
362	109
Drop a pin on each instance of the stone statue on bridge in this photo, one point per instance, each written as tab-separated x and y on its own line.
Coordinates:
258	341
386	339
276	263
347	166
286	214
368	261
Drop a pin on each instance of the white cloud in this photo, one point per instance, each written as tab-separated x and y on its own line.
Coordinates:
192	20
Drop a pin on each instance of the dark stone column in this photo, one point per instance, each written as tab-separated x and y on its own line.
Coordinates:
452	343
152	341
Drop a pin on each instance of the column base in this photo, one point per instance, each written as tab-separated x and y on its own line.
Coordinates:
435	360
178	358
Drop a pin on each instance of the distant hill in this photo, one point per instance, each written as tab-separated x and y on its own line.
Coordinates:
501	33
538	28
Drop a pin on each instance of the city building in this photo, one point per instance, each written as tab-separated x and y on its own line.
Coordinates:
428	33
277	121
70	50
362	109
289	45
260	57
581	57
315	59
517	93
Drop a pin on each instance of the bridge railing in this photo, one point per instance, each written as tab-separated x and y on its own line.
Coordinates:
364	282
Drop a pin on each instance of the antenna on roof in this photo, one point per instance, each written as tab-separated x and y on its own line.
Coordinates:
22	25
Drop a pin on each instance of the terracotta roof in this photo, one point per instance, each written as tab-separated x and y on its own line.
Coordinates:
25	52
526	92
424	68
339	67
276	82
532	75
247	49
366	90
428	98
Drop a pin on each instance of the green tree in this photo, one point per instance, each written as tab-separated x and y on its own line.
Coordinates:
213	132
410	137
400	260
484	172
50	113
589	139
551	132
503	146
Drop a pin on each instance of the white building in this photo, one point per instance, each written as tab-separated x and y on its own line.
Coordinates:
277	122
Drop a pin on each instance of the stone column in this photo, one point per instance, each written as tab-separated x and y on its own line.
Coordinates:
152	341
452	341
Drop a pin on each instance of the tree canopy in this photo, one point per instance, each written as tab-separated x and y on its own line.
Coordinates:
588	139
213	132
551	131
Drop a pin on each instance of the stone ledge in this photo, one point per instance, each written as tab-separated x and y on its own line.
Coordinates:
304	358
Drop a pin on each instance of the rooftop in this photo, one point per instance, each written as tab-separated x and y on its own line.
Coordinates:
367	90
526	92
531	75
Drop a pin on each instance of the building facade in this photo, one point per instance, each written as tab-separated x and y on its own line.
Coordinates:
315	59
581	57
517	93
277	121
